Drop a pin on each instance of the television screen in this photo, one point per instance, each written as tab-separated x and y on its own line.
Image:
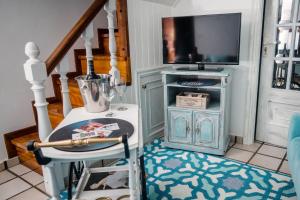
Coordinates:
207	39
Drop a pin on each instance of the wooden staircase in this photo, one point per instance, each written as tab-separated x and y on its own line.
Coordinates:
101	64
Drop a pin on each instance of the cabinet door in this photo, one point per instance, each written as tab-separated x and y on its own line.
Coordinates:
206	129
151	102
180	126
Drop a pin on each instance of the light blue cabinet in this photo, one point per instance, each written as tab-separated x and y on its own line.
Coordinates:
195	129
180	126
206	129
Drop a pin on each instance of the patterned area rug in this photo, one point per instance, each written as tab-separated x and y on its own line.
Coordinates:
183	175
176	174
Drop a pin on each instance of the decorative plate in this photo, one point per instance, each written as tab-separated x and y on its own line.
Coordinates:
66	132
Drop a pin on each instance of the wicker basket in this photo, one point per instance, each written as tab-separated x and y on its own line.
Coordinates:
192	100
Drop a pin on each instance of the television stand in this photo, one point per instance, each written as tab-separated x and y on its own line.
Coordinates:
193	128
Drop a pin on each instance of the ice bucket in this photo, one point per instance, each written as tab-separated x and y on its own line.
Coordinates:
94	92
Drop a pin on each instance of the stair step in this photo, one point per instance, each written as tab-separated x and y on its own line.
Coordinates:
102	64
55	111
21	142
75	96
27	158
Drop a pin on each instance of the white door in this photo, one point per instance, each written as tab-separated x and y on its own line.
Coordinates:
279	92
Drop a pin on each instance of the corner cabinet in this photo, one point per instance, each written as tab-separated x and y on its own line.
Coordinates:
202	130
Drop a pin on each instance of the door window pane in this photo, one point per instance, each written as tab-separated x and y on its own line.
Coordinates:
295	80
285	11
284	38
280	74
297	43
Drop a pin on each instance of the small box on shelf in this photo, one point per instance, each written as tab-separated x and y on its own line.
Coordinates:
192	100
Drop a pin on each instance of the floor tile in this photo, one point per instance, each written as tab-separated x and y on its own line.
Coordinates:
33	178
252	147
265	161
272	151
19	169
6	176
42	187
239	155
31	194
285	167
12	188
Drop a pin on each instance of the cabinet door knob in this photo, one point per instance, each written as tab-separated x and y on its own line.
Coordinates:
187	129
144	86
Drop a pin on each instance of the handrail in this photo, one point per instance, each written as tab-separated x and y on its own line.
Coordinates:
64	46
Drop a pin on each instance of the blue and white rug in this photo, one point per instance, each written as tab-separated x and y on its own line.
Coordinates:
176	174
182	175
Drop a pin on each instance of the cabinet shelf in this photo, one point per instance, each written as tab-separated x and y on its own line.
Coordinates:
214	87
212	107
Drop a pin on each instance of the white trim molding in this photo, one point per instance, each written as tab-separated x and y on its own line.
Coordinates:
252	90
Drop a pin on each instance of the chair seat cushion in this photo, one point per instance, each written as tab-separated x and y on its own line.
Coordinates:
294	162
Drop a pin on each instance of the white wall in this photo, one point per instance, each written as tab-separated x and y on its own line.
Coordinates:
45	22
145	37
240	78
145	42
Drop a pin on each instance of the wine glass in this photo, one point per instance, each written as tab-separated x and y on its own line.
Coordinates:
109	95
120	87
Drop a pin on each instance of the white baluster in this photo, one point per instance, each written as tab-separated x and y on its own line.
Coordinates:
36	74
88	35
63	69
110	8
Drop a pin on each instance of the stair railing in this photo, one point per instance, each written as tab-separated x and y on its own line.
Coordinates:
37	72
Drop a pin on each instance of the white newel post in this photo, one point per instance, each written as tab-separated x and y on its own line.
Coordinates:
110	8
36	74
63	69
87	36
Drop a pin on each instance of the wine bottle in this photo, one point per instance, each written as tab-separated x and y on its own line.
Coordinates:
91	74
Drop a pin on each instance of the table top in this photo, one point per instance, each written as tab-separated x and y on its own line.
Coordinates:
80	114
67	133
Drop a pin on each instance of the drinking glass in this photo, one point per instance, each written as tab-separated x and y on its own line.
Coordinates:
109	97
120	87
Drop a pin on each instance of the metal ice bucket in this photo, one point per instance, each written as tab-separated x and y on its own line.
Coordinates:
94	92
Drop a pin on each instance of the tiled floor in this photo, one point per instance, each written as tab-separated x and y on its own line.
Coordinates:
19	182
260	154
30	185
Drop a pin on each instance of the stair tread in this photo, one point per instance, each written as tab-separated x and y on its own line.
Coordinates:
55	108
21	142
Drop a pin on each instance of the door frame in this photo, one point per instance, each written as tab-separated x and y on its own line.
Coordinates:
256	33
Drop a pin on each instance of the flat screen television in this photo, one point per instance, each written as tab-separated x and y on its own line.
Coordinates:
204	39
